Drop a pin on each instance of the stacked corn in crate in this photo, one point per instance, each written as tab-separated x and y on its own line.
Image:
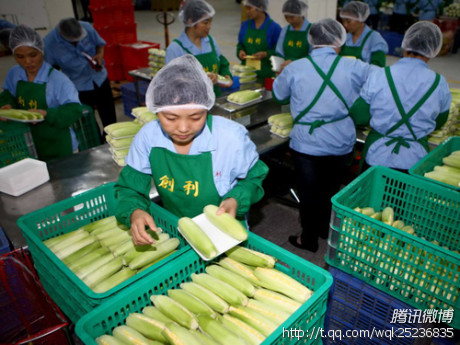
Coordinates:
452	125
156	60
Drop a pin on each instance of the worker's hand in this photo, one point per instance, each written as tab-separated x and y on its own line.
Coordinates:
40	111
260	55
99	58
242	55
229	206
139	220
213	77
6	106
230	80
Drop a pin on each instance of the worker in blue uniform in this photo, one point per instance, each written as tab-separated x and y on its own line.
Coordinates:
195	39
429	9
362	42
320	89
193	158
293	41
258	37
405	102
374	16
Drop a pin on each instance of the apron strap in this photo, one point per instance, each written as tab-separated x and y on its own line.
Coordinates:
209	122
182	46
50	71
366	38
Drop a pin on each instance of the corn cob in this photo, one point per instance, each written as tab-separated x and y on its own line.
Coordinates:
68	241
204	339
251	257
117	239
225	291
156	314
98	223
240	269
231	278
129	335
108	340
51	242
388	215
156	261
69	250
243	96
256	320
274	313
20	114
197	237
377	215
92	266
409	229
190	302
107	233
162	249
277	300
80	254
175	311
399	224
103	272
218	331
147	326
207	296
121	248
178	335
226	223
250	334
88	259
114	280
368	211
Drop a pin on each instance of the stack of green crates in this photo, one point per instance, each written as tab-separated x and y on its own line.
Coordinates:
16	142
308	317
86	130
422	270
73	296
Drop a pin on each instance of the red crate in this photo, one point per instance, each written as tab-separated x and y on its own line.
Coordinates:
112	54
136	55
112	15
105	3
27	313
115	71
124	33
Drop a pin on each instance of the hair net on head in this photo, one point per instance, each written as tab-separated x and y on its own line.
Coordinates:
424	38
261	5
182	83
355	10
23	35
327	33
295	8
195	11
71	30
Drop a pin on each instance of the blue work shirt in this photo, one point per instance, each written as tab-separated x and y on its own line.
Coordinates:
400	6
233	153
273	31
300	81
374	43
280	43
413	79
428	9
60	52
174	50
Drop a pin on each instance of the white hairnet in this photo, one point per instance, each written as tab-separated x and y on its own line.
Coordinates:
424	38
327	33
355	10
195	11
295	8
261	5
71	30
182	83
23	35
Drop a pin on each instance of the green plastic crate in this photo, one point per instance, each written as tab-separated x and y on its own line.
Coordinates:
86	130
434	158
311	314
73	296
16	142
411	268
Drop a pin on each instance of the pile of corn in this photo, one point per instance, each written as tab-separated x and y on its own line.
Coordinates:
119	136
102	253
143	115
20	115
243	97
239	300
246	74
156	60
281	124
452	125
449	171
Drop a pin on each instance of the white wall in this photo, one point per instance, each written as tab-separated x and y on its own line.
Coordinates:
317	9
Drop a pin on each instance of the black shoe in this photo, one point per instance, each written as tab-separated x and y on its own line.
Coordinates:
312	246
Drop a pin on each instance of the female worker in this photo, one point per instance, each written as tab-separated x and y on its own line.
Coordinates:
34	85
320	88
404	103
293	41
258	37
197	16
362	42
429	9
195	159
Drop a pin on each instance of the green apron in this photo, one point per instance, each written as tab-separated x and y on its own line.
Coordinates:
355	51
255	41
185	183
50	142
295	44
210	61
326	82
400	141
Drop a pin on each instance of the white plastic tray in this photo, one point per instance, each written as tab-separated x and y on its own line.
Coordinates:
221	240
20	177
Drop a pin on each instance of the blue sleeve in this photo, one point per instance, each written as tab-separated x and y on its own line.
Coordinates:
94	35
273	34
60	90
138	155
173	51
378	43
282	84
11	81
49	43
360	73
446	96
280	44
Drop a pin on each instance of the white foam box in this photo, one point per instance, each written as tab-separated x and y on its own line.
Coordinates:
20	177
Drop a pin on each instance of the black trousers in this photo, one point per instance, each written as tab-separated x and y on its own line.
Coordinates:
318	179
101	98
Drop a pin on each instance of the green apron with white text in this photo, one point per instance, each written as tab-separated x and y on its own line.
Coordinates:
185	183
295	44
210	62
326	82
405	117
255	41
50	142
357	52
